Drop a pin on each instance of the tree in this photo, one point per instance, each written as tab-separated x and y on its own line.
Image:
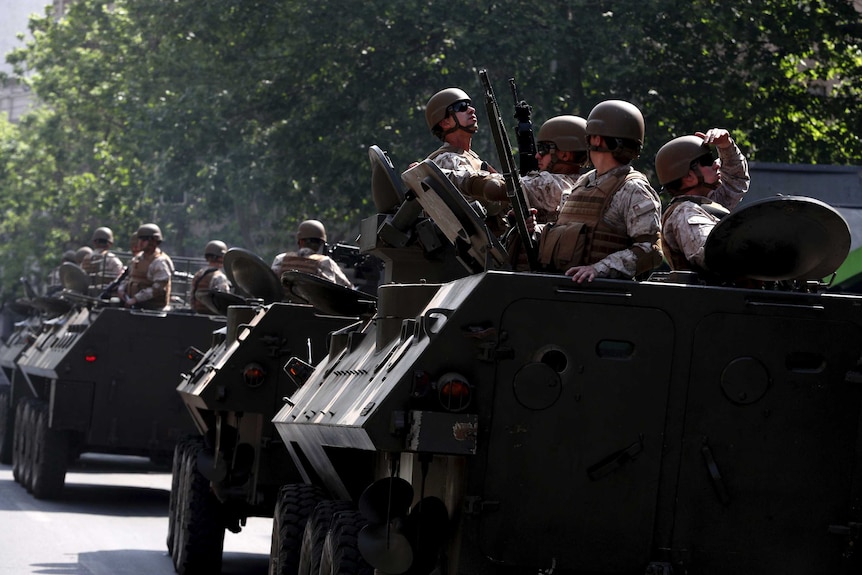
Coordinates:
236	119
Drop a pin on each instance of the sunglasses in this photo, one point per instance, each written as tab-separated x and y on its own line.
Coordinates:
705	160
211	256
459	106
145	238
545	148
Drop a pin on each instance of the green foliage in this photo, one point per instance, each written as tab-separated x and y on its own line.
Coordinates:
236	119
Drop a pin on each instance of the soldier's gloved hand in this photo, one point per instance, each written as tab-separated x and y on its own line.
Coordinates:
495	189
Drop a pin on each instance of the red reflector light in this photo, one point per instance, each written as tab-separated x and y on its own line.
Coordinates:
90	357
454	392
254	375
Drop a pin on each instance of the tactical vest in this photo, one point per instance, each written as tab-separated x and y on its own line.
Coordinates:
96	266
307	264
138	280
675	257
587	205
202	281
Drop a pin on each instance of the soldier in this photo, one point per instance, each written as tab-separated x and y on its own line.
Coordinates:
102	265
562	152
451	117
703	188
310	258
212	277
149	283
609	225
82	253
54	284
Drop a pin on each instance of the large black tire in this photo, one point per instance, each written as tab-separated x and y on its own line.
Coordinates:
315	533
27	429
180	450
7	424
293	507
18	443
340	555
49	456
200	524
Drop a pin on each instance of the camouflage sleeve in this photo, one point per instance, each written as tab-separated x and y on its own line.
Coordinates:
635	209
686	230
328	269
459	171
219	282
276	265
734	177
544	192
113	266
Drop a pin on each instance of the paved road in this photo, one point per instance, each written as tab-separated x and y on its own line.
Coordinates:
111	520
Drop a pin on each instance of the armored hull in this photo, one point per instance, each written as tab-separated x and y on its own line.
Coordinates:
102	380
607	428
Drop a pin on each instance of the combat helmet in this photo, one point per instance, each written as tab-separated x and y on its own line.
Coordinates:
104	234
311	230
673	160
568	133
82	253
150	230
215	248
435	109
621	125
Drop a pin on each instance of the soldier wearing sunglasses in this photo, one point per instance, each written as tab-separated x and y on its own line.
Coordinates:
561	153
703	188
451	117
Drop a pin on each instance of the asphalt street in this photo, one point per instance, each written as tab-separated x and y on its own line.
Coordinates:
110	520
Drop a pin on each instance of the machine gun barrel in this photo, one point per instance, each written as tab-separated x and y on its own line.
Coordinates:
514	191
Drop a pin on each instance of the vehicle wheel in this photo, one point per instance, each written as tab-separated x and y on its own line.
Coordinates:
176	472
49	455
200	522
18	443
315	532
294	505
340	555
7	424
27	429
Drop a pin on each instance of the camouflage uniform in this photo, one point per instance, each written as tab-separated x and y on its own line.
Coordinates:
686	224
150	280
103	267
547	192
623	242
212	279
305	260
468	172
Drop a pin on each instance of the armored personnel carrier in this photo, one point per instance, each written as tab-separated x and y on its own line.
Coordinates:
234	467
100	378
523	423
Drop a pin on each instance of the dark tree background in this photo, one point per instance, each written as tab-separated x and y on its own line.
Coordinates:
236	119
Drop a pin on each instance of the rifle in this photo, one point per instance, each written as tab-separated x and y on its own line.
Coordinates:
519	202
106	293
524	133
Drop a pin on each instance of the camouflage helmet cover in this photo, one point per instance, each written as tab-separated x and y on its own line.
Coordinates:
150	230
568	133
616	119
69	256
103	233
215	248
311	230
673	160
435	109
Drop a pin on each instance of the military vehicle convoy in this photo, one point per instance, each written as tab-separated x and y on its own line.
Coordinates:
525	423
100	378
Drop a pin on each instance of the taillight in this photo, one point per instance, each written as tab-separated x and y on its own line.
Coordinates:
90	356
253	374
454	392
